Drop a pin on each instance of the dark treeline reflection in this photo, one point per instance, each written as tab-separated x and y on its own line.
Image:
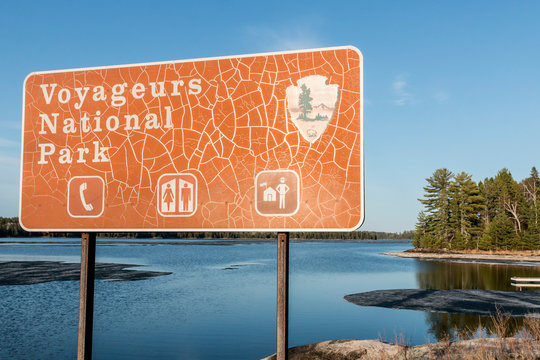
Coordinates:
453	327
445	275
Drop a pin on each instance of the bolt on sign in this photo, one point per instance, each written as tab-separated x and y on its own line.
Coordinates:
265	142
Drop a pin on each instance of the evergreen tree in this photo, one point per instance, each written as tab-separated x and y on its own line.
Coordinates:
499	233
488	191
422	235
531	187
304	102
510	198
531	191
466	205
436	203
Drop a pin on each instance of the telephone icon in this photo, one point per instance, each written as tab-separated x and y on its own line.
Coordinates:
86	196
82	189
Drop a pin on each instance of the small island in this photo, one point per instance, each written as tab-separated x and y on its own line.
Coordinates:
497	214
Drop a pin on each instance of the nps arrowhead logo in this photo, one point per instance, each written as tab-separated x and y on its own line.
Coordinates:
311	104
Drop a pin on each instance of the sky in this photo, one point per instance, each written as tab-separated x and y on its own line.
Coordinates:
452	84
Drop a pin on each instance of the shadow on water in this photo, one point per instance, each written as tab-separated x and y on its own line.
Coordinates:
446	275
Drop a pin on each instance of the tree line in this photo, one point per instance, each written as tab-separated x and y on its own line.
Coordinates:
9	227
498	213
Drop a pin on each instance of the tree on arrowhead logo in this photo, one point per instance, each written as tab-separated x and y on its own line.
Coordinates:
311	104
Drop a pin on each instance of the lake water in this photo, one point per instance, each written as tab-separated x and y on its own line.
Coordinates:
219	303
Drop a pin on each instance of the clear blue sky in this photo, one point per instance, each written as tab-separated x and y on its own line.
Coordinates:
451	84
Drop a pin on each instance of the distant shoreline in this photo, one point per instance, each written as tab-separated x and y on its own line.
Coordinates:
526	257
186	241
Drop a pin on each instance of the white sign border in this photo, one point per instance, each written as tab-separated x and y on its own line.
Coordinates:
362	155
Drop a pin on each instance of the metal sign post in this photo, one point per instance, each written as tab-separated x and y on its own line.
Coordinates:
86	296
282	295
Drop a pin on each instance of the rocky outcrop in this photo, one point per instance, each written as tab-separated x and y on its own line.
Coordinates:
458	301
478	349
35	272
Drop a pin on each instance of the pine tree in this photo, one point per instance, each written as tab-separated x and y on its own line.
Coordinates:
499	234
510	199
304	102
531	191
436	203
531	187
422	235
466	204
488	191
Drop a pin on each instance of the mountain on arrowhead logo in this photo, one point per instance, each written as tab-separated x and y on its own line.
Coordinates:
311	104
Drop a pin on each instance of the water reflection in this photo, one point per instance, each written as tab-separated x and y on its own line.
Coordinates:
447	275
443	326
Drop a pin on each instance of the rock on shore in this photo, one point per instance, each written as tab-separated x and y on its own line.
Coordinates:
478	349
458	301
35	272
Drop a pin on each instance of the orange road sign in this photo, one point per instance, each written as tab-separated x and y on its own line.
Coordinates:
264	142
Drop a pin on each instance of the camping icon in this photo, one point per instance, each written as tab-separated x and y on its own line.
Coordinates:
277	192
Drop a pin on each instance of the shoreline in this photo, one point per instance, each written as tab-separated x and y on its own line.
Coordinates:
478	348
179	241
503	258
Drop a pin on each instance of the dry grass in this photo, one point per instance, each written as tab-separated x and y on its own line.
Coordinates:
501	324
531	327
504	342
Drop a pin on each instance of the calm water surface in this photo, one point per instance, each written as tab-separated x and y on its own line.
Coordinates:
219	303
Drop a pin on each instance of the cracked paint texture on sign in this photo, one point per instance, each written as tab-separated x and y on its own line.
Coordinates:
223	120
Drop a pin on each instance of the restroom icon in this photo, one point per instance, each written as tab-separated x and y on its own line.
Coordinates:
177	194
